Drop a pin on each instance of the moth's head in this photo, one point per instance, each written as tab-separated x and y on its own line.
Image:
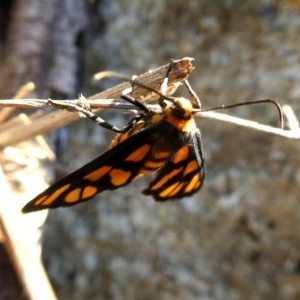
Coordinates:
179	107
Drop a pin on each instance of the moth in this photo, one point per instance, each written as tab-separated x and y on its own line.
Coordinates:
166	143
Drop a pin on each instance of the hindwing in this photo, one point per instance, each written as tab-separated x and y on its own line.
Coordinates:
182	175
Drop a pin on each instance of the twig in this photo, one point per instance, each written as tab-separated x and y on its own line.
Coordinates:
292	121
180	70
151	78
293	134
121	104
72	105
42	103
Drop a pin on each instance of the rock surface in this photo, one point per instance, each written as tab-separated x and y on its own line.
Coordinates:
238	238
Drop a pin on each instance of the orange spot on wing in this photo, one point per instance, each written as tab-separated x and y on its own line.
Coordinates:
98	174
167	177
138	154
156	161
181	155
88	192
159	155
119	177
176	189
169	190
73	196
194	184
40	200
192	166
52	197
151	165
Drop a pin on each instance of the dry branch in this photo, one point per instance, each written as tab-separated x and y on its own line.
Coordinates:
74	105
180	70
293	134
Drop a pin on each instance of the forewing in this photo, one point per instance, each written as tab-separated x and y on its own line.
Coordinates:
182	175
115	168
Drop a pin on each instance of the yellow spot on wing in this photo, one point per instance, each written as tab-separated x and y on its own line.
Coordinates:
176	189
156	161
192	166
98	174
119	177
73	196
153	165
158	155
181	155
48	200
88	192
169	190
138	154
167	177
193	184
40	200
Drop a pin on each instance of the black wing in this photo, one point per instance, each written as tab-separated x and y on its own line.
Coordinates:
115	168
182	175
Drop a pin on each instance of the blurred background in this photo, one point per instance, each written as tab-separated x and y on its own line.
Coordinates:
238	238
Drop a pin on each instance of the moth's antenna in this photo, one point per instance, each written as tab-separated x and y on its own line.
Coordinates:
105	74
226	106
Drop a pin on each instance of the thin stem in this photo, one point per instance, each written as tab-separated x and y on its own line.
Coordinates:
72	105
293	134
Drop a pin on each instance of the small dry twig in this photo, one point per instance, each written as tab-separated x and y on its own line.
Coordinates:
181	69
73	105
